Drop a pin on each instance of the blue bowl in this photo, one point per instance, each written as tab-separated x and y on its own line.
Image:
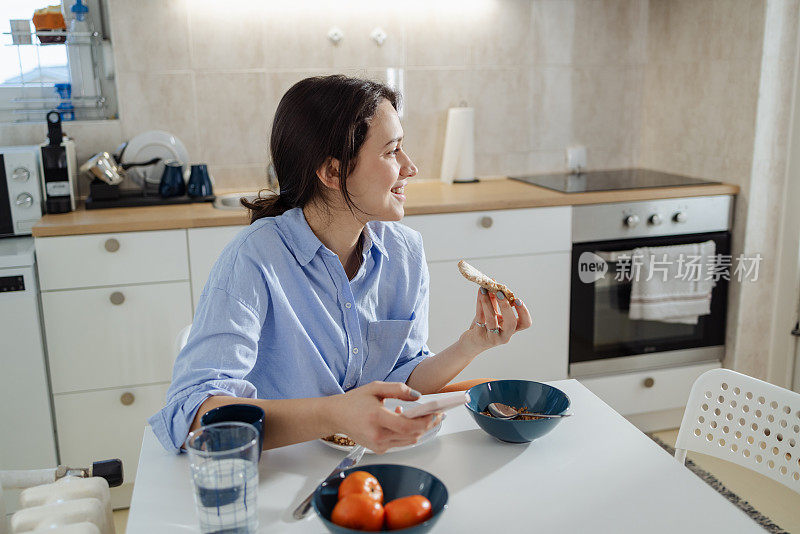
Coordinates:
537	397
397	481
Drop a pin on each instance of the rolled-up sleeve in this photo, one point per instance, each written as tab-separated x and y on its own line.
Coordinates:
220	352
416	347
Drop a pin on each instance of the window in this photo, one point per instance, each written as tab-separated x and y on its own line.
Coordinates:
44	70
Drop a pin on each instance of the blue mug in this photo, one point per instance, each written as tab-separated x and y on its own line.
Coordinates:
199	182
242	413
172	184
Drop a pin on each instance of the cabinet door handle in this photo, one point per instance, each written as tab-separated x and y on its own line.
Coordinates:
117	298
487	222
649	382
112	245
127	398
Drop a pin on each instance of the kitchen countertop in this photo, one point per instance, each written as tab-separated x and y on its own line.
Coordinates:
423	197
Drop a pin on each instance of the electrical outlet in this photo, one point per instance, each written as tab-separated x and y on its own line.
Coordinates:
576	159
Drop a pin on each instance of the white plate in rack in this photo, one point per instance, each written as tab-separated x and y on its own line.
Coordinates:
149	145
391	404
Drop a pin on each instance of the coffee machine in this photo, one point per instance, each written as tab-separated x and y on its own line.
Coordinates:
59	168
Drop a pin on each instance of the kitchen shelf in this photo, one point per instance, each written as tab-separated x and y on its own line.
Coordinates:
52	33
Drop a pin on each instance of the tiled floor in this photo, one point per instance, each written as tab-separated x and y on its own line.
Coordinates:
772	499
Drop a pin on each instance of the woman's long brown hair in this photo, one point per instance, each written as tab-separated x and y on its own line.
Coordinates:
318	118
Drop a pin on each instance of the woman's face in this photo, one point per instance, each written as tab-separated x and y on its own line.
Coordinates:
382	169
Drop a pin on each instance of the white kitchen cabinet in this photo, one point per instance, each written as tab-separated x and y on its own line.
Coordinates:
493	234
647	391
528	250
112	306
105	424
205	245
69	262
114	336
540	280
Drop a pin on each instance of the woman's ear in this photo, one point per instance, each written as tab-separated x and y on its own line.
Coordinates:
328	173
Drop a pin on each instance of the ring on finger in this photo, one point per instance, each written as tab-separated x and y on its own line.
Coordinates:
482	325
494	330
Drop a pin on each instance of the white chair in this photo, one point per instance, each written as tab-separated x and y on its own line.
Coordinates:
183	335
746	421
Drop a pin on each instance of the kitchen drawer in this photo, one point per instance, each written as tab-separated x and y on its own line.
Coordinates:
112	259
647	391
484	234
111	337
100	425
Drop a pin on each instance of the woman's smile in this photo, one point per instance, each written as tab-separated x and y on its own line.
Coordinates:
399	192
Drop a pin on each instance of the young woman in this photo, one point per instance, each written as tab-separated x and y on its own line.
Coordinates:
319	309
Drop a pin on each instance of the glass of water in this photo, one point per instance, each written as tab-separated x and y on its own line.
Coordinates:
224	464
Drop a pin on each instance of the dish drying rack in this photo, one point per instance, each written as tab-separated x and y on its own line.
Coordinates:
35	95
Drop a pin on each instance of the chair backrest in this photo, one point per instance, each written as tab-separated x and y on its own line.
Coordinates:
744	420
183	335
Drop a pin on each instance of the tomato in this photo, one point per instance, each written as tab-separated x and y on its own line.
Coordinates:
361	482
407	511
358	511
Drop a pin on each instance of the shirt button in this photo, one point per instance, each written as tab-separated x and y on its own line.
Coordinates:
348	305
355	350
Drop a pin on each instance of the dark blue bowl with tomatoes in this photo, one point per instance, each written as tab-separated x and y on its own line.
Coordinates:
398	483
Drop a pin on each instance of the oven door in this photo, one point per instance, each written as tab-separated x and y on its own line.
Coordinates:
603	339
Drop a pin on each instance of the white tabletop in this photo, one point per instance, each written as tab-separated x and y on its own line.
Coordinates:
595	472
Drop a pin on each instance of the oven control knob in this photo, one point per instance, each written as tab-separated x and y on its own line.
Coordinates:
24	200
21	174
655	219
679	217
631	221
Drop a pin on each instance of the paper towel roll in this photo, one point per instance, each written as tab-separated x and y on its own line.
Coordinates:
458	156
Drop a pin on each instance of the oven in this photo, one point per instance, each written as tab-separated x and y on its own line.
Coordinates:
603	339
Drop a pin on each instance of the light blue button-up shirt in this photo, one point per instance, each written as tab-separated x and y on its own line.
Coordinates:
279	319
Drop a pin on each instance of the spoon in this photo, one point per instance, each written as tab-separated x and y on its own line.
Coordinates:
503	411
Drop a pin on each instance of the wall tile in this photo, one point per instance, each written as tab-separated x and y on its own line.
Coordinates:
609	31
154	101
232	116
238	178
429	94
503	36
553	31
439	38
678	30
227	35
736	29
606	105
544	161
293	40
502	109
149	35
358	49
552	108
505	164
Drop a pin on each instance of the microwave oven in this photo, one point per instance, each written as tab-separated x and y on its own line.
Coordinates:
20	189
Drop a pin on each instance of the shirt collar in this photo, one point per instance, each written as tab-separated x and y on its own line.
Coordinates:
305	244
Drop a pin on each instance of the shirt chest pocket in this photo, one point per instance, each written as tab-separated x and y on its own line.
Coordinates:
385	343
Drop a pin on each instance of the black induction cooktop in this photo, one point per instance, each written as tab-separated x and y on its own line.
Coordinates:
610	180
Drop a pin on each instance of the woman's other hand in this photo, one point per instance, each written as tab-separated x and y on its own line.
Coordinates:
495	321
361	415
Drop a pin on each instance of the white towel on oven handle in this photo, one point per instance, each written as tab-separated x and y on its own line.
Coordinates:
661	291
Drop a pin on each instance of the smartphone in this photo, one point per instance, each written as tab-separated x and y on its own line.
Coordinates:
437	405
